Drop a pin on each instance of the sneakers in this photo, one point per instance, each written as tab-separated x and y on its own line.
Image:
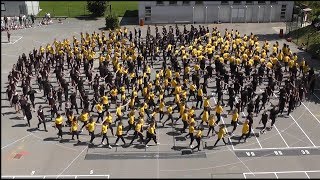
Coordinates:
146	146
110	147
117	144
103	143
158	143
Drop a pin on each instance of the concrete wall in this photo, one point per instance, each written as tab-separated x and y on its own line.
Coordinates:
209	12
15	8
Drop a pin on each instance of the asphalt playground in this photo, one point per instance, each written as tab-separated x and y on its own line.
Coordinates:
289	150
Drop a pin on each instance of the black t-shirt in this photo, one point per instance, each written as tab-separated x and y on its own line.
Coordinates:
32	93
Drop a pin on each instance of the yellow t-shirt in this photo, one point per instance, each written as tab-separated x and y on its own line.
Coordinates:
119	130
221	133
235	116
104	129
245	128
91	126
219	109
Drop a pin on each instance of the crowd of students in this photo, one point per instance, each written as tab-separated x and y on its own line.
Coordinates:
126	80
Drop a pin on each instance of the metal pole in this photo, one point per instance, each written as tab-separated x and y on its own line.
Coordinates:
231	13
245	15
218	13
270	13
192	15
206	14
258	14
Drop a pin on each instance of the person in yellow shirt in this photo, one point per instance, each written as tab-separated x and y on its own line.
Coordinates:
109	120
222	132
245	130
74	128
138	132
199	97
219	111
91	126
104	130
100	111
131	121
205	117
191	131
58	125
170	117
119	134
84	117
212	124
151	134
234	120
198	137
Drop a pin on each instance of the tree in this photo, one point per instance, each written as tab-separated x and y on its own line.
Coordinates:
112	21
97	8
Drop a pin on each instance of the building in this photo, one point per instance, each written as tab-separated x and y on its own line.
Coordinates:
153	12
15	8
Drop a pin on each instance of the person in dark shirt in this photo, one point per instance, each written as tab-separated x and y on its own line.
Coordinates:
41	118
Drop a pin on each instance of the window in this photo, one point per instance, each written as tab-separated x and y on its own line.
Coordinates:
173	2
3	7
224	2
147	13
283	6
236	2
273	2
283	16
249	2
261	2
185	2
160	3
198	2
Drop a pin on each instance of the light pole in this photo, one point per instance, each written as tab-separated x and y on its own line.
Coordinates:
193	15
218	13
206	14
231	13
270	13
258	14
245	15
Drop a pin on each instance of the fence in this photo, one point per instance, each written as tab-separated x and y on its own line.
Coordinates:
67	10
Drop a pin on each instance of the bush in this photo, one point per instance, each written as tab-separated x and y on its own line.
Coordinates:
112	21
97	8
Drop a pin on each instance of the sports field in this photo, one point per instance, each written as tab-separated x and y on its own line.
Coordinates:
79	8
289	150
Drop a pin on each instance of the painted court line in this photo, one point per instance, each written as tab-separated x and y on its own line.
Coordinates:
251	128
316	96
278	130
55	176
15	141
282	172
276	175
283	148
300	128
311	112
281	136
307	175
72	161
224	123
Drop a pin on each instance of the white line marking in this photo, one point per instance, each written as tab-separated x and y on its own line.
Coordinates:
9	55
311	112
282	148
303	131
239	159
224	123
244	175
72	161
281	136
15	141
316	96
276	175
307	175
55	176
283	172
251	127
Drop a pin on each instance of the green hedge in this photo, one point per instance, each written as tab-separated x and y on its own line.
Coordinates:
112	21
